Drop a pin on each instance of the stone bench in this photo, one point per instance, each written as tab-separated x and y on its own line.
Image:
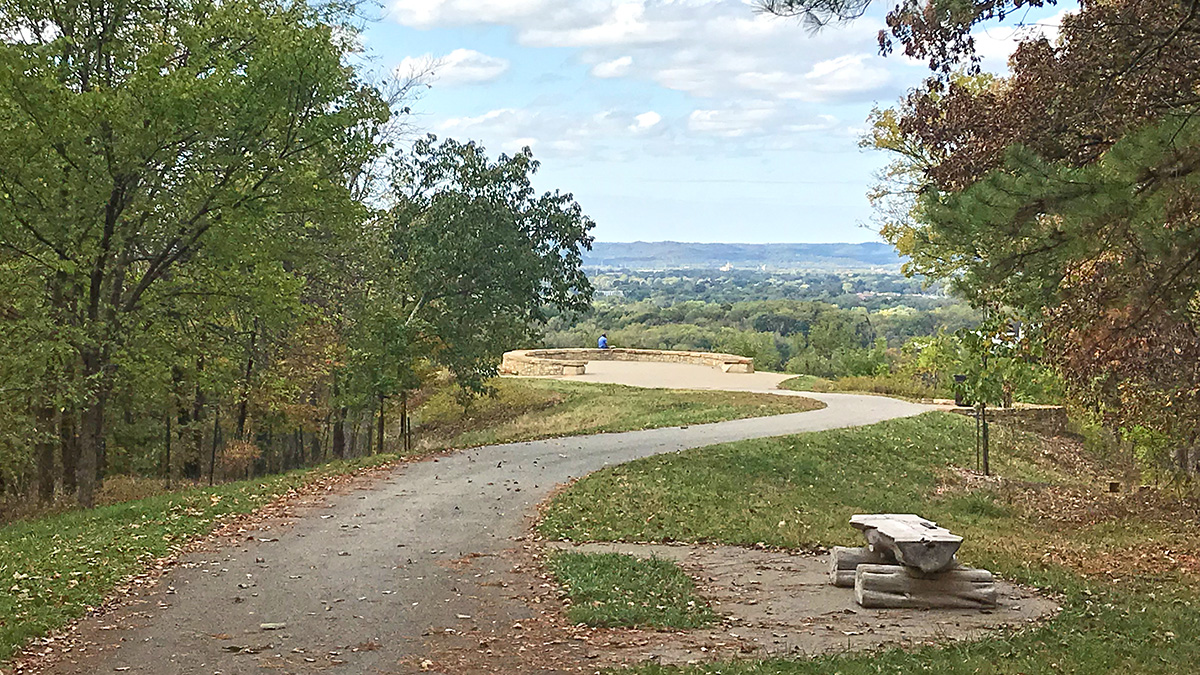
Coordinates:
574	361
909	562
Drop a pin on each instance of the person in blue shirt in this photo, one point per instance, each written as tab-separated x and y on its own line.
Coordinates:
603	343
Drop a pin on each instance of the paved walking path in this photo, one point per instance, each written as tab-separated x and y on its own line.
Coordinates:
361	580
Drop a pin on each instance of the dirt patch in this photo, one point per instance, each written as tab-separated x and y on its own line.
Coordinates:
772	604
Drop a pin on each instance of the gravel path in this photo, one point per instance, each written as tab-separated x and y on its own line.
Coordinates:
362	579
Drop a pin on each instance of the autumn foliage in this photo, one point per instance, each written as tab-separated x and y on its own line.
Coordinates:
1069	190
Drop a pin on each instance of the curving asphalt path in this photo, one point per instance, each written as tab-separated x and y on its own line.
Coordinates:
363	578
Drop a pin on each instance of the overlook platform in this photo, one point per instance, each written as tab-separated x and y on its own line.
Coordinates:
571	362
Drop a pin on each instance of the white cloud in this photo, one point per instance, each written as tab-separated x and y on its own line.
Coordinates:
844	78
746	82
431	13
615	68
461	66
734	122
646	121
703	48
847	75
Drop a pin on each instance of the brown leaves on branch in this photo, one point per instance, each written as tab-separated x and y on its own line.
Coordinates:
1119	66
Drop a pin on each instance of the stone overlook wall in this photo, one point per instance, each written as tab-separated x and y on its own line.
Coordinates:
574	361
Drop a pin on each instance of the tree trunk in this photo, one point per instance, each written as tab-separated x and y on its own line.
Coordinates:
216	437
45	452
191	464
92	422
315	445
339	433
91	437
244	404
167	443
68	443
370	432
986	466
405	437
339	423
382	399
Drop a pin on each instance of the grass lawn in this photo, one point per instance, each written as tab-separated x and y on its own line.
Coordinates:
1125	565
53	568
888	385
528	409
611	589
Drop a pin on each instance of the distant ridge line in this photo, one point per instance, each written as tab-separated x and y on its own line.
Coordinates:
665	255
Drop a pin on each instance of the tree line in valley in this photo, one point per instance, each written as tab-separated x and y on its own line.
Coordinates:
873	290
216	257
896	349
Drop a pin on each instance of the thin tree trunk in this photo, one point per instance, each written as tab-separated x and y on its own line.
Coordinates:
167	444
92	433
89	453
370	433
339	433
986	466
382	399
315	446
339	423
45	452
191	465
216	437
68	443
406	431
244	404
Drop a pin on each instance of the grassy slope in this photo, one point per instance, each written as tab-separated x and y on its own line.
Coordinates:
527	409
54	568
610	589
888	385
1115	560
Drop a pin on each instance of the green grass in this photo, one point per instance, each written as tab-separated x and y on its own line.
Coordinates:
888	385
611	590
523	410
52	570
1115	561
794	492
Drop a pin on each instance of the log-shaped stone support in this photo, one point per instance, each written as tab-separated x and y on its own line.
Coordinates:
844	560
899	587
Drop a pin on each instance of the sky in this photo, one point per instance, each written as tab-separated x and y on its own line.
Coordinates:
684	120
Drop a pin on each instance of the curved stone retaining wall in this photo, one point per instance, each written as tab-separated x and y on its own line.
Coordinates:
574	361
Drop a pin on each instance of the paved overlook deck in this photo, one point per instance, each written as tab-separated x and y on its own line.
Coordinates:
572	362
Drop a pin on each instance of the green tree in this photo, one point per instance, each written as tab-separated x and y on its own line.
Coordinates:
473	256
144	142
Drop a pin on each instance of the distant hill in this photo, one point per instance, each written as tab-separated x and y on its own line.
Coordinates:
664	255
